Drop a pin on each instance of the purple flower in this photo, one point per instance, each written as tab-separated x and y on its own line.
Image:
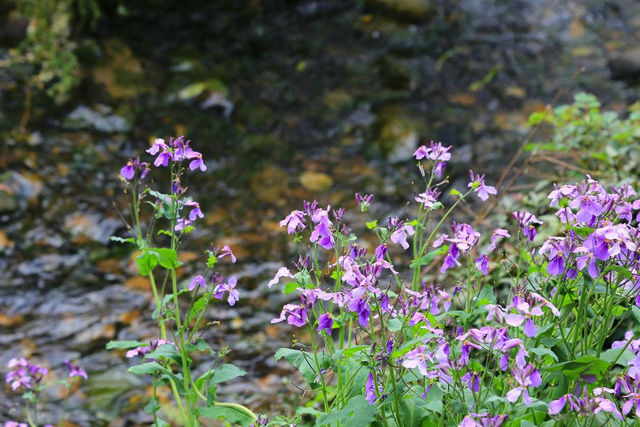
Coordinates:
526	377
525	221
402	230
294	314
282	272
294	222
364	201
15	424
325	322
498	233
417	358
483	420
436	153
429	198
230	287
370	390
481	189
198	281
482	264
144	349
226	251
128	171
75	370
24	374
195	210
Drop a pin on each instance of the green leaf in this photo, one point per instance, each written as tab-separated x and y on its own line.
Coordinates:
612	354
455	192
226	372
146	368
197	306
543	351
290	287
371	225
167	257
123	345
227	413
303	410
426	259
165	352
581	366
147	262
304	362
636	312
413	411
357	413
201	345
394	324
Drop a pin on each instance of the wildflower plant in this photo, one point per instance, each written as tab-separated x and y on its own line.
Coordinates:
179	308
31	379
511	329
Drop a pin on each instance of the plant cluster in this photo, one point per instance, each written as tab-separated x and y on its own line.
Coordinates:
31	379
516	327
387	347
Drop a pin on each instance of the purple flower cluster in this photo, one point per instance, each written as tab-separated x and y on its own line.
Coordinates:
462	241
612	240
24	374
437	154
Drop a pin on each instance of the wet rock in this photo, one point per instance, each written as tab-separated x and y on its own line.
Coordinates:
48	265
408	9
625	65
8	202
316	181
90	227
27	187
99	118
398	135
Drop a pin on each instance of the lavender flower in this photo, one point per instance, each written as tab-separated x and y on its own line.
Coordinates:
364	201
294	222
294	314
482	264
197	282
480	188
75	370
230	286
325	322
526	221
282	272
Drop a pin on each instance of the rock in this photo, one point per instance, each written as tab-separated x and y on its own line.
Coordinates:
316	181
8	202
98	118
88	227
398	135
625	65
408	9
